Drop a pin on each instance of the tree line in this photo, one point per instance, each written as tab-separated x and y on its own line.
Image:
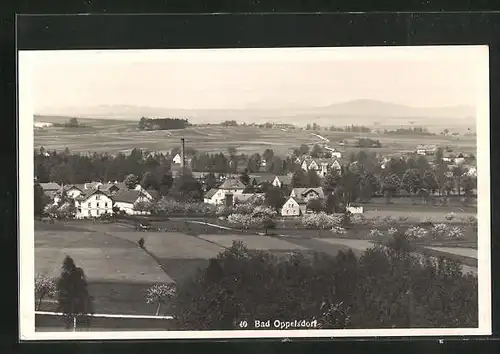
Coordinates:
409	131
348	128
163	123
386	287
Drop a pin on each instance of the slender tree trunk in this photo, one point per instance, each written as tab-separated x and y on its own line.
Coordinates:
39	303
158	308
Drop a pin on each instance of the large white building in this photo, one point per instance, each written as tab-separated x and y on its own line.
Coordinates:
93	205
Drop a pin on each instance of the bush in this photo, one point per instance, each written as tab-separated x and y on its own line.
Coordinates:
357	219
170	206
141	242
450	216
427	221
339	231
338	292
376	234
416	233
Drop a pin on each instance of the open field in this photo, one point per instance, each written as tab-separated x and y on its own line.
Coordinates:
115	136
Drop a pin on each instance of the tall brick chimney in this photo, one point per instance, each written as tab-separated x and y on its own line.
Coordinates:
183	155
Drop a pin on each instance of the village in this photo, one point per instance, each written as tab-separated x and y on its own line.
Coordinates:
94	199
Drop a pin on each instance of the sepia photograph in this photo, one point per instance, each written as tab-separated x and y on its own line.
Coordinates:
254	193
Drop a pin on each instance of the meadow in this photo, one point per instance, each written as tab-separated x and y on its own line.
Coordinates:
113	136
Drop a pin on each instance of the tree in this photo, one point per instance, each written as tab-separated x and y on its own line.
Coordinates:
304	149
275	165
45	286
39	200
159	293
331	180
187	188
274	197
74	300
299	179
315	205
390	186
349	186
131	181
411	181
73	123
268	155
231	151
469	183
316	151
149	181
430	182
166	183
254	162
313	180
245	178
458	172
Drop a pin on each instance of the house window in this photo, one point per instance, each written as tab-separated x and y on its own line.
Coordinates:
97	212
90	214
105	205
97	197
88	205
97	204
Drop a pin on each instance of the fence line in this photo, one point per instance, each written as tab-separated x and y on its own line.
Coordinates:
103	315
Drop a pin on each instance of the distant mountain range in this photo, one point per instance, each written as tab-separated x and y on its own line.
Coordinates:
354	112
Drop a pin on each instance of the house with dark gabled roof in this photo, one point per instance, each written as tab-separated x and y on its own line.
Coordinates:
230	188
125	200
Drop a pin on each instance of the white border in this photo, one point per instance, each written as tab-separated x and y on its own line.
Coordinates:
26	170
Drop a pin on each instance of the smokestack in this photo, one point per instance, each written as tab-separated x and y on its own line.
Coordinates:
183	154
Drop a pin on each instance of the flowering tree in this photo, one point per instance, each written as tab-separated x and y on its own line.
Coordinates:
357	219
416	233
390	186
322	221
439	231
376	233
144	206
159	293
45	286
455	233
392	231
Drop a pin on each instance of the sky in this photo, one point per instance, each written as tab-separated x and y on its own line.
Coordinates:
240	79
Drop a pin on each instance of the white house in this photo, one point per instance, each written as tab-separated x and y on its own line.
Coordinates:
293	208
304	165
126	199
337	154
280	181
336	165
472	172
93	205
217	196
355	209
177	159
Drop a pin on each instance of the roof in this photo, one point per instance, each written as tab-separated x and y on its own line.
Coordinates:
50	186
285	179
246	196
301	192
87	194
71	186
154	194
127	196
211	193
232	183
108	186
296	200
198	175
92	185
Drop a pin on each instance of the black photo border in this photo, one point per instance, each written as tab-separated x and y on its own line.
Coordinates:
264	30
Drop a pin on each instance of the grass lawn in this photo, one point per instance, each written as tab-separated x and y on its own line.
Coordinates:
254	242
118	271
